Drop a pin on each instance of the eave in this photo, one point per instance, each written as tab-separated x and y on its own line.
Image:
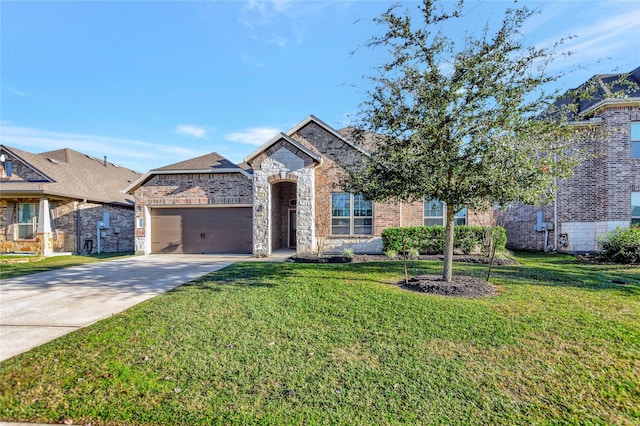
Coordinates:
147	176
289	140
609	103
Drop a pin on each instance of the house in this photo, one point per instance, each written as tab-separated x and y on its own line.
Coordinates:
285	195
604	192
63	201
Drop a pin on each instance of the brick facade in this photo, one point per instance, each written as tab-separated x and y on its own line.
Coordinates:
592	202
295	171
67	216
184	190
62	183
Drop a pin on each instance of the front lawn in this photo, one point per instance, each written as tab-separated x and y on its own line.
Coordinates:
16	266
266	343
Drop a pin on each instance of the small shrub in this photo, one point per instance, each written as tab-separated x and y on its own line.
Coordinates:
622	245
348	253
391	254
413	253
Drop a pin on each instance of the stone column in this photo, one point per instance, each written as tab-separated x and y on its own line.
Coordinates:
305	235
261	214
43	234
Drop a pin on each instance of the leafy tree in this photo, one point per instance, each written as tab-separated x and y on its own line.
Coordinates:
461	121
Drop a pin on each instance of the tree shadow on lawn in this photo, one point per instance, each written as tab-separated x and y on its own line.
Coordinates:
238	276
572	274
554	270
547	270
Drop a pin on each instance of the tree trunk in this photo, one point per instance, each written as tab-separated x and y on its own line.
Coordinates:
448	245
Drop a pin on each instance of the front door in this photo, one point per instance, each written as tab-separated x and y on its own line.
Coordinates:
292	228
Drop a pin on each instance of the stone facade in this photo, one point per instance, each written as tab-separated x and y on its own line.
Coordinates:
282	162
592	202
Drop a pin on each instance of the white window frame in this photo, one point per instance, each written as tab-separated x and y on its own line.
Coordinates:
351	217
635	202
460	217
32	224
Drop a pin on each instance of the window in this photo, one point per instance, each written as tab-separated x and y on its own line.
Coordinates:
635	208
351	214
461	217
635	139
27	220
435	214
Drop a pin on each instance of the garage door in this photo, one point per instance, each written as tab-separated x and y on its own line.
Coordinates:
201	230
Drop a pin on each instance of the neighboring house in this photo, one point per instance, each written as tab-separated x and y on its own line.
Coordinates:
286	195
63	201
604	192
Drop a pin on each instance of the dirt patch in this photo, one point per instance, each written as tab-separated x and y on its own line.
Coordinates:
460	286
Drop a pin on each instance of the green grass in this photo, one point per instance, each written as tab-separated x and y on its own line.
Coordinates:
9	269
262	343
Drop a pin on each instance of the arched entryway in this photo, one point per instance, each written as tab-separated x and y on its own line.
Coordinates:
283	215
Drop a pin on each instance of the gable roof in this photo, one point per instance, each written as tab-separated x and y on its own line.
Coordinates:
329	129
71	174
363	138
204	162
604	90
310	119
208	163
275	140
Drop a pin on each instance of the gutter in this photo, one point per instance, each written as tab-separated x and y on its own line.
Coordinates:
142	179
611	102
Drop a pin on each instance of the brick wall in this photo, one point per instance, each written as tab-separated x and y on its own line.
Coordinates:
195	189
188	189
64	222
121	219
520	224
20	171
596	199
338	156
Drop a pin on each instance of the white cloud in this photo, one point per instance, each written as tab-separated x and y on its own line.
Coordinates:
131	153
14	91
254	136
195	131
277	22
605	36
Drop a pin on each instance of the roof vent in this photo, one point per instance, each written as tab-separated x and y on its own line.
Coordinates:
52	160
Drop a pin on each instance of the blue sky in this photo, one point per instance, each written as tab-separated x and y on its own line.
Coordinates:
150	83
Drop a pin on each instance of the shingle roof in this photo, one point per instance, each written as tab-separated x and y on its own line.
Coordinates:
204	162
75	175
209	163
363	138
602	88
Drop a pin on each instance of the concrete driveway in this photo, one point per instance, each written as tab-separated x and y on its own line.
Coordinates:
38	308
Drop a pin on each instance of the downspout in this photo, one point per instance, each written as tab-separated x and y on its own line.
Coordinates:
555	215
78	235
